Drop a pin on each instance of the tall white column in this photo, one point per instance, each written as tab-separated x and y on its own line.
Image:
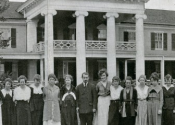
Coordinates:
162	70
31	34
111	40
140	56
126	68
14	70
80	44
48	38
41	69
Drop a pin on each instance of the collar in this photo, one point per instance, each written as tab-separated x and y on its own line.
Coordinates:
4	92
52	88
84	84
167	88
156	88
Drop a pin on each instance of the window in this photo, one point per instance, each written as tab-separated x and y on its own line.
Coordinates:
129	36
102	32
8	37
158	41
173	41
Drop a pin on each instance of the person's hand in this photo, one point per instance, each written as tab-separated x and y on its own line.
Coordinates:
159	112
94	110
77	110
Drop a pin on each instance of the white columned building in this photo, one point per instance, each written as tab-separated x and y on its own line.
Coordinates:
140	56
111	47
31	34
80	44
48	39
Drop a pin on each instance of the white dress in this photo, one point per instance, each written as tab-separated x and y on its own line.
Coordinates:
141	118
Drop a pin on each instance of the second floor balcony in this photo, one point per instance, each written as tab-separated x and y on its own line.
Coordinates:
91	45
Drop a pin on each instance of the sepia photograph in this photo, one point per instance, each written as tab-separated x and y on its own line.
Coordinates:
87	62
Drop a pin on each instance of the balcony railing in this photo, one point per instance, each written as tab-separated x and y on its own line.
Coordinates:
64	45
39	47
69	45
126	46
96	45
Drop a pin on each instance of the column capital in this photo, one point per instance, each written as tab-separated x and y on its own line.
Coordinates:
50	11
138	16
82	13
107	15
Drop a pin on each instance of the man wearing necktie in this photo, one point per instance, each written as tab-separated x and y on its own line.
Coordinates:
86	100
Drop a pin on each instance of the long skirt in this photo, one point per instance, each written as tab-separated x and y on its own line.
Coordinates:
37	117
51	122
168	117
141	118
23	113
114	115
102	110
129	120
153	117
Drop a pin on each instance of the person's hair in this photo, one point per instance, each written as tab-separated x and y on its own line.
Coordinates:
154	76
22	77
168	77
84	73
8	80
102	71
68	76
52	76
128	78
116	78
37	77
142	76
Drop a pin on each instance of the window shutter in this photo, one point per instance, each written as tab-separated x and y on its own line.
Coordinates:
40	31
165	41
126	36
13	38
173	41
152	41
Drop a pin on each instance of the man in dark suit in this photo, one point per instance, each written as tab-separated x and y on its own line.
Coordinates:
86	100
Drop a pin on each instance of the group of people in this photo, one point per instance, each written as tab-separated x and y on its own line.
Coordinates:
106	103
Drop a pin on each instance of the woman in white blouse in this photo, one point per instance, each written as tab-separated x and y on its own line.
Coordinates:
115	90
142	92
22	96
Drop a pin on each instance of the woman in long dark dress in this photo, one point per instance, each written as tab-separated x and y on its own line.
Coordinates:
22	96
8	106
68	102
169	102
115	90
36	101
129	102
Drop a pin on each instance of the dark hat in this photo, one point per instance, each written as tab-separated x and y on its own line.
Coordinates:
52	76
22	77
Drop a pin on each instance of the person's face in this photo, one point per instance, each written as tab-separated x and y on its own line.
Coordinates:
128	83
142	81
154	82
22	83
51	81
37	82
7	85
85	78
116	83
168	82
103	77
68	81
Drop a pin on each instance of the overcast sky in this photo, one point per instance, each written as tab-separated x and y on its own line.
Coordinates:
152	4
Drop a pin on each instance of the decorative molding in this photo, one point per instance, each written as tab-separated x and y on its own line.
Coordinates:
82	13
49	11
108	15
138	16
